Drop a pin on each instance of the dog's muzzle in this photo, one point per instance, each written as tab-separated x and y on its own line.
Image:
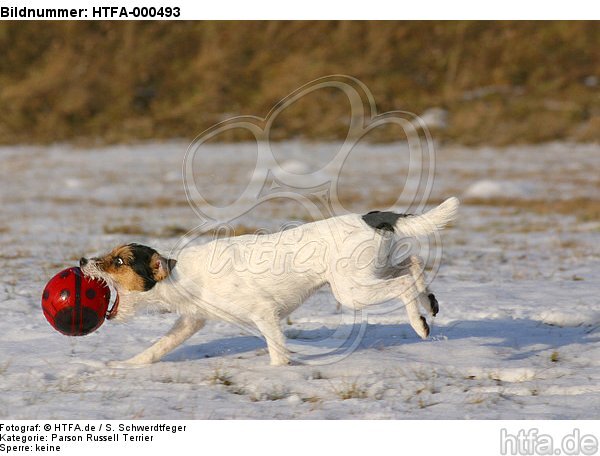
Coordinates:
112	312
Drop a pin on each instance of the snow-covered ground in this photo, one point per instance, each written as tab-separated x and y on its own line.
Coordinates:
517	335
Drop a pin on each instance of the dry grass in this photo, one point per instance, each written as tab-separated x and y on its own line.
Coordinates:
134	229
312	399
124	81
159	202
475	400
584	209
352	390
125	229
173	231
156	203
220	377
237	230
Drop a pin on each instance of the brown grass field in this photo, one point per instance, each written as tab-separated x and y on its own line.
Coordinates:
500	82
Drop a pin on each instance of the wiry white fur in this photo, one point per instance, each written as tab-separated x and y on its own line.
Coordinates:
256	280
434	220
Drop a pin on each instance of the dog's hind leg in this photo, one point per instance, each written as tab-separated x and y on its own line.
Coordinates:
183	329
411	298
270	328
366	292
426	299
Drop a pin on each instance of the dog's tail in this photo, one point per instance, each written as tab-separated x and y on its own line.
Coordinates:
429	222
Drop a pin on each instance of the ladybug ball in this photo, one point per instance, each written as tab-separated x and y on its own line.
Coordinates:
74	304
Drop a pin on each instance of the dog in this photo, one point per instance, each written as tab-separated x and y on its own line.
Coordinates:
257	280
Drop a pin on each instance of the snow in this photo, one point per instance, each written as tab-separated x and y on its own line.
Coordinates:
517	335
575	317
486	189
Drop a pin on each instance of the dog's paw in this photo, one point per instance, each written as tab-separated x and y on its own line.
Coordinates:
435	307
280	360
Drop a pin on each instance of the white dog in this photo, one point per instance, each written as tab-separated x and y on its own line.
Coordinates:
260	279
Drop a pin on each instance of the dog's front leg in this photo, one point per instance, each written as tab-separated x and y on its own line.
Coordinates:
182	330
270	328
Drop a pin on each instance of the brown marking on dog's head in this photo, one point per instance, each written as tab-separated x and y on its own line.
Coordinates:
161	266
134	267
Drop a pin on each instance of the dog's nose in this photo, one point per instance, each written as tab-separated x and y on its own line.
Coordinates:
83	261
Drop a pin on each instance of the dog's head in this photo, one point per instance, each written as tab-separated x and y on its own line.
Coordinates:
129	268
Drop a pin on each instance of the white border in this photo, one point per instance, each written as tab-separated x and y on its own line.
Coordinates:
349	9
308	438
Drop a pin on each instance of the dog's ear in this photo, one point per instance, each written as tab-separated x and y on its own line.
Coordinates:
161	266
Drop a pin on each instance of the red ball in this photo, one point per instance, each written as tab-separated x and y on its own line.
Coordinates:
75	304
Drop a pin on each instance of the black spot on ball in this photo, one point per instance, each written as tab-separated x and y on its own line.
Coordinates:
73	323
64	295
64	274
46	295
63	319
90	294
89	320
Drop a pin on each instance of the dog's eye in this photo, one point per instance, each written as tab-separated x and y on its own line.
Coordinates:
119	261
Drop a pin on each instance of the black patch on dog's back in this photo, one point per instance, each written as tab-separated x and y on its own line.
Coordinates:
141	264
382	220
